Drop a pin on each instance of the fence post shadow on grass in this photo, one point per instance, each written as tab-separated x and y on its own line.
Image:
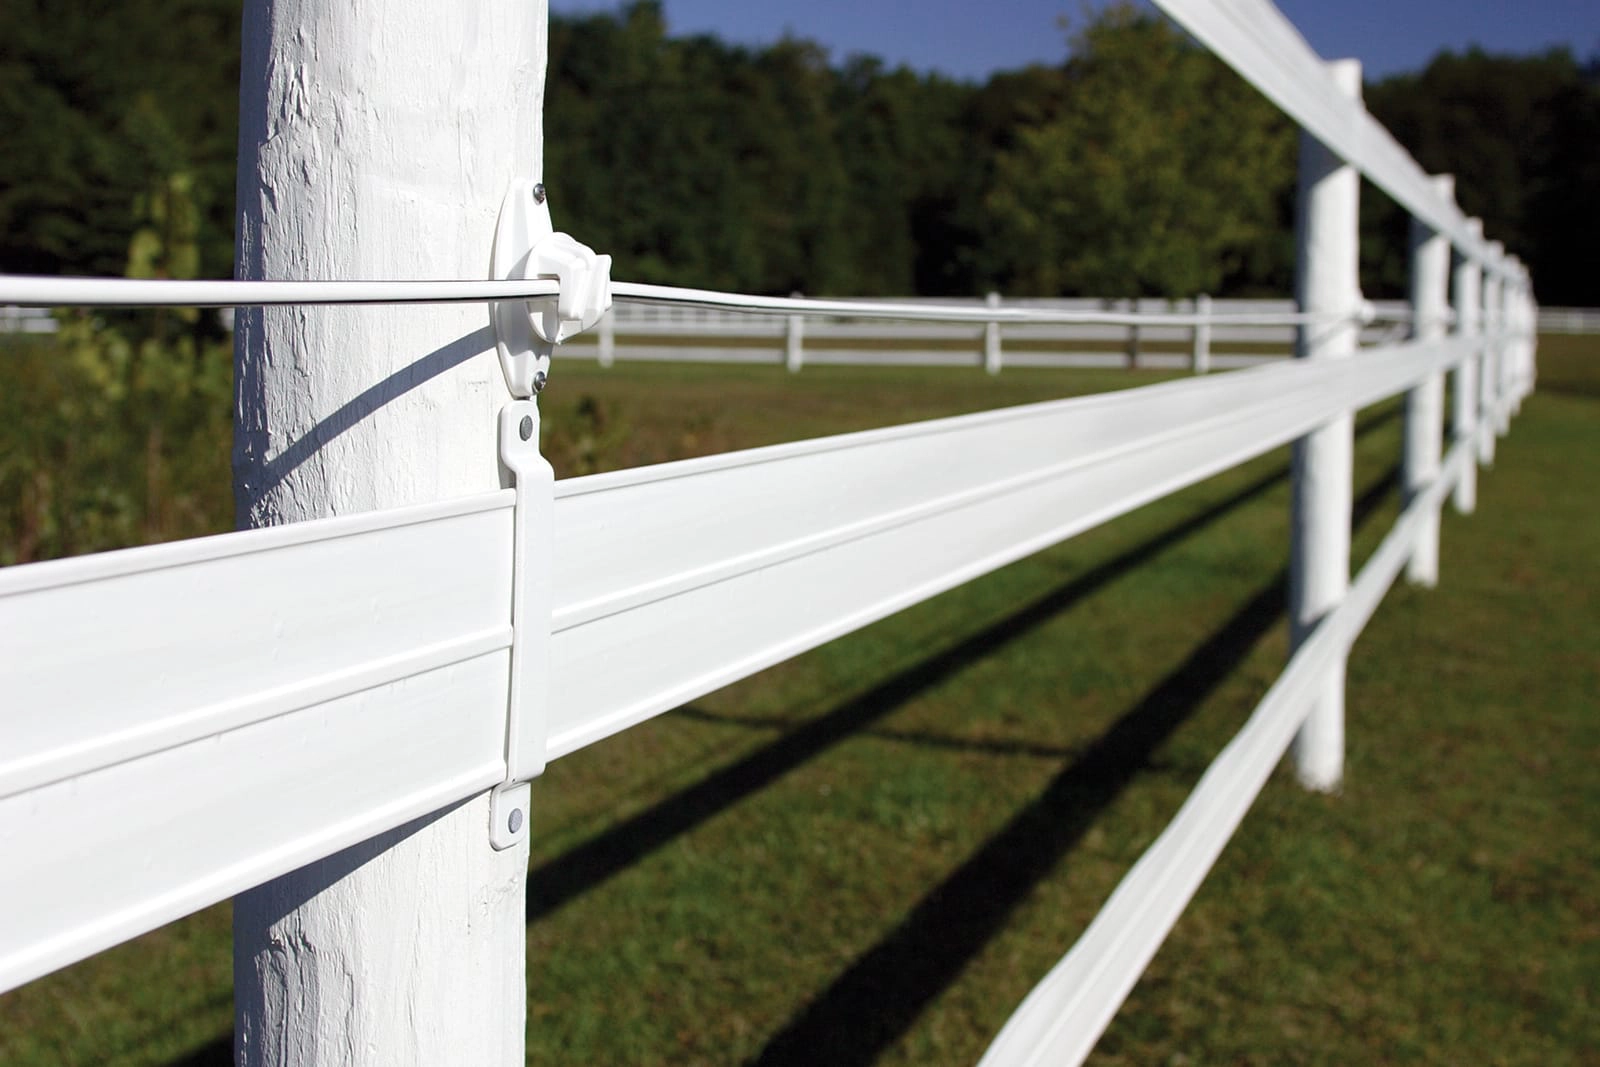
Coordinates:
878	997
587	865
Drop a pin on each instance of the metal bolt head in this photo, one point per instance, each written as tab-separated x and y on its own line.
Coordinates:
539	378
514	823
526	427
539	193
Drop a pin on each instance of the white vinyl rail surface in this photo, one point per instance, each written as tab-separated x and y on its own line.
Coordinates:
177	685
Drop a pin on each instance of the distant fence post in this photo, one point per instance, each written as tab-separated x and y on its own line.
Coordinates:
794	354
1327	285
1133	335
991	338
1530	330
1201	363
1504	346
1469	325
1424	419
1517	371
608	338
1519	346
1493	345
408	948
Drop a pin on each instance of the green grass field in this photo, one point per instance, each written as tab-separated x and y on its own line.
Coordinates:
871	853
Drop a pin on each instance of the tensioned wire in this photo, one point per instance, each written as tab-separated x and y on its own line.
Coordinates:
40	291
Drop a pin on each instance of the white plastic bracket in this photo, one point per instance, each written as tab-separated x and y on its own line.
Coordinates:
526	246
533	521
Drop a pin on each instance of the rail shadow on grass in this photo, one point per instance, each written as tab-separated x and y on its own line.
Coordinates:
559	880
582	868
218	1053
874	1001
877	998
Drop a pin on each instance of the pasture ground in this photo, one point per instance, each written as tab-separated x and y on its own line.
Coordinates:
871	853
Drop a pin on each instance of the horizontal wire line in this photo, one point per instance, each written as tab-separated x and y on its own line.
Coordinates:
42	291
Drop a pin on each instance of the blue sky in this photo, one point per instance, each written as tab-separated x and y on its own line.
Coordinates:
971	38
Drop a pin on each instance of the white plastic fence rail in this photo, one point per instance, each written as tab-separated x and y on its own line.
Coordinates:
1255	38
1065	1014
217	660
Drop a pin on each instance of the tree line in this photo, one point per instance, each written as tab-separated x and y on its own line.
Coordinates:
1139	165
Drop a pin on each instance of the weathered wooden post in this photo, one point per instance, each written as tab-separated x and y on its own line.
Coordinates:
1201	363
377	140
1493	347
991	338
1424	419
1327	286
1469	324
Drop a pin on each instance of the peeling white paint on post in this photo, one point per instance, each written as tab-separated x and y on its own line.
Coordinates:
1327	282
1468	295
1202	334
1424	419
991	338
376	141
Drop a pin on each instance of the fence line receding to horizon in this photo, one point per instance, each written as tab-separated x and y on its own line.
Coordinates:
369	670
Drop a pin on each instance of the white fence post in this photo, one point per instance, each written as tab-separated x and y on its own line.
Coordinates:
1522	345
1505	347
1202	335
1424	421
608	338
1328	285
1469	324
1493	352
408	948
794	342
1133	335
1530	324
991	338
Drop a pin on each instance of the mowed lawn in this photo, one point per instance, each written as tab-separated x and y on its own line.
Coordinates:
871	853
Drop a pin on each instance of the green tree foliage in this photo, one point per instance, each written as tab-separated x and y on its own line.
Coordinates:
1138	165
103	107
1522	136
700	163
109	439
1160	172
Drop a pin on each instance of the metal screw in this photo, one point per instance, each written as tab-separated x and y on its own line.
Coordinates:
539	378
515	822
539	193
526	429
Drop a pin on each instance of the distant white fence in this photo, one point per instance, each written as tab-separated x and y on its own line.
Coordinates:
1223	334
365	671
1569	320
27	320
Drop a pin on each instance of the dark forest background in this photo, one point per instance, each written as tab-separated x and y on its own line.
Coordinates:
1138	166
